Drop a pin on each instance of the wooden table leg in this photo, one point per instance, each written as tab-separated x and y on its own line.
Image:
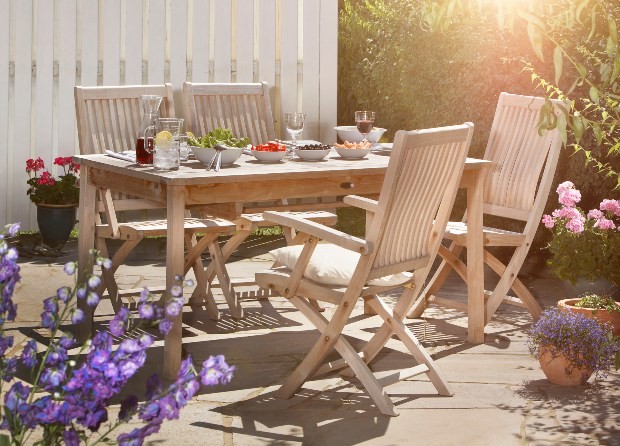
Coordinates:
86	242
174	267
475	257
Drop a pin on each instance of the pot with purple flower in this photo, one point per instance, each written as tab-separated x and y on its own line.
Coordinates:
571	347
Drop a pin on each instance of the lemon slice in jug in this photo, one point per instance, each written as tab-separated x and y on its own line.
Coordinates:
163	138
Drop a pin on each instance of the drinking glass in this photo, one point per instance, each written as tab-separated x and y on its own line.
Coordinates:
294	125
364	121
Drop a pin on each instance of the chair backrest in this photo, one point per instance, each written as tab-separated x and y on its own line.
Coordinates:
518	152
243	108
417	195
109	117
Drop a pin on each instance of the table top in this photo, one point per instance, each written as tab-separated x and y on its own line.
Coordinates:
247	168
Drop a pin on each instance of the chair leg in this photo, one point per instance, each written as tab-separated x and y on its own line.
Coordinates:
217	259
436	281
202	284
108	275
517	286
348	353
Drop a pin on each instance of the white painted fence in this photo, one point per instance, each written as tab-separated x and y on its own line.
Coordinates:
49	46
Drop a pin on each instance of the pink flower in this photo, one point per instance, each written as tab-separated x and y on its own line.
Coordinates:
575	226
548	221
563	187
611	205
604	223
569	213
570	197
595	214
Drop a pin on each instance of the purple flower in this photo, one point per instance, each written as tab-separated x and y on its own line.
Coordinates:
146	311
71	437
12	229
176	290
77	315
16	395
153	386
10	369
81	292
70	268
133	438
6	342
215	370
173	308
29	354
92	299
12	254
94	282
144	294
67	341
53	377
63	293
130	346
165	326
128	405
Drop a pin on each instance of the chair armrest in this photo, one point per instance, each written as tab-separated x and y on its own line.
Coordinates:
326	233
361	202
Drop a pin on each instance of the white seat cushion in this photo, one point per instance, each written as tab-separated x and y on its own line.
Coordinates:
333	265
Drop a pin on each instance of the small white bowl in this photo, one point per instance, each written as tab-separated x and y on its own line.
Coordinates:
312	155
351	134
229	156
352	153
269	157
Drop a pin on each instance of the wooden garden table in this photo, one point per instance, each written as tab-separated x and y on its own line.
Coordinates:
247	181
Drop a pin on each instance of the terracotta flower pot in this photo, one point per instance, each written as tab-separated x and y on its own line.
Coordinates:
558	370
602	315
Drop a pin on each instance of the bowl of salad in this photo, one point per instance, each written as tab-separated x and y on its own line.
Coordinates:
272	152
204	151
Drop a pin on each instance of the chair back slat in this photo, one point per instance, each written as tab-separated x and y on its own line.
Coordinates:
109	117
424	171
518	153
243	108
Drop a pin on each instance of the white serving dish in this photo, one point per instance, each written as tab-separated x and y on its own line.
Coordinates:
268	157
352	153
351	134
229	156
312	155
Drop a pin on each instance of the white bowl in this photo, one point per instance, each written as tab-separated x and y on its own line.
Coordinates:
351	134
312	155
352	153
269	157
229	156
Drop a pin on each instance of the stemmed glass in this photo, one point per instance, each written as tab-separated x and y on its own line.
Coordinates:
294	125
364	121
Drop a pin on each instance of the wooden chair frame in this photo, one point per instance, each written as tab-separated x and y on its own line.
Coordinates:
517	187
405	229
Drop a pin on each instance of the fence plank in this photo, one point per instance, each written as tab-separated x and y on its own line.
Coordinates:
245	41
111	44
44	81
90	42
288	60
310	79
178	50
66	78
157	41
22	112
267	53
5	183
200	41
134	13
223	40
328	77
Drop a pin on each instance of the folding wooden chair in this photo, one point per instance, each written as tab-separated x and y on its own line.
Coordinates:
109	118
516	187
246	110
405	228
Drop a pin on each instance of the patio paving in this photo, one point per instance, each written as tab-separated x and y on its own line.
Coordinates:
501	395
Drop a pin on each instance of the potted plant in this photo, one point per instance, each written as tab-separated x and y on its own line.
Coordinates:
601	307
56	199
584	246
571	347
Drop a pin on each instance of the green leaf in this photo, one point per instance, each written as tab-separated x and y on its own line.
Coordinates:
613	31
583	72
557	63
531	19
578	128
598	133
536	40
594	95
561	126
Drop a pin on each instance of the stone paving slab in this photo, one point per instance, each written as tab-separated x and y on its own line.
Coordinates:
501	396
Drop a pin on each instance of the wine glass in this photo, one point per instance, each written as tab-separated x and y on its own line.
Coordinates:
364	121
294	125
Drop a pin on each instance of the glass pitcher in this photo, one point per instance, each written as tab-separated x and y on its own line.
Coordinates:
166	155
144	143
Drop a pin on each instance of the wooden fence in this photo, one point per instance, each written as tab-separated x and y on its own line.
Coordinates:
49	46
